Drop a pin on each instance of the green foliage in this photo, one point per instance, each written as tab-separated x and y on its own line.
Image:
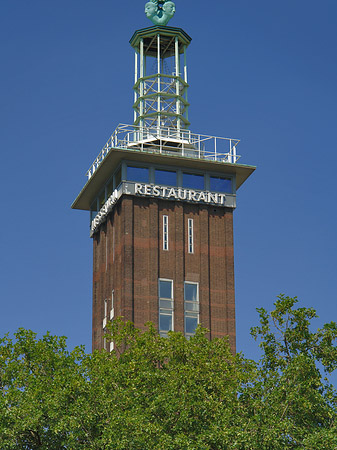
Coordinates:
172	393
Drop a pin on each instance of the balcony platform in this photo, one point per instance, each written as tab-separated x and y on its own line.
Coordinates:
165	146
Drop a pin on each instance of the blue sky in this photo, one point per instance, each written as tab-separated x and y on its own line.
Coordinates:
264	72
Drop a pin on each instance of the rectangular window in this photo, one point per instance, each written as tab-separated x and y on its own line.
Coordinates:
112	311
165	177
218	184
165	288
140	174
118	177
191	307
102	199
165	233
93	210
105	318
109	188
193	181
190	236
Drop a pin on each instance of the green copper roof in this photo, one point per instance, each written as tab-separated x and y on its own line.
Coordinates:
149	32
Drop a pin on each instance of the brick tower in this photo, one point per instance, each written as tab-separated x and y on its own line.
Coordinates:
161	202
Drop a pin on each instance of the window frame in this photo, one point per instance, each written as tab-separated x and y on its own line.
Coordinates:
165	232
190	313
165	311
190	235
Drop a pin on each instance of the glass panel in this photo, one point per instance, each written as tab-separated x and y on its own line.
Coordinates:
165	322
138	174
193	181
93	214
109	189
168	304
190	235
165	289
93	210
189	306
220	184
191	324
191	292
165	177
102	199
165	232
118	177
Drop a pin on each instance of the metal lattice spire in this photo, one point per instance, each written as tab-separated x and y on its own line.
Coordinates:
160	90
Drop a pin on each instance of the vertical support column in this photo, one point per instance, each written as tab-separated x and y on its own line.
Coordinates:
159	87
177	82
135	88
141	106
185	79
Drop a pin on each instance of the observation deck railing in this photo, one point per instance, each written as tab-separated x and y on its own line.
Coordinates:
169	141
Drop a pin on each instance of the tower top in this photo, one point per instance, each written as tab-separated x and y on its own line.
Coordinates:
160	12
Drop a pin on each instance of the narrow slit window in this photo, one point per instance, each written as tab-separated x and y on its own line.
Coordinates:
190	236
105	321
105	308
112	311
165	233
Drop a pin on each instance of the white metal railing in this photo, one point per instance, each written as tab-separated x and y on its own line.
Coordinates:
169	141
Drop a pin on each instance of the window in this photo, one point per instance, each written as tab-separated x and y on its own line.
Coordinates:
102	199
112	311
191	307
193	181
112	315
165	177
190	236
93	210
105	320
109	189
140	174
165	233
118	177
218	184
165	288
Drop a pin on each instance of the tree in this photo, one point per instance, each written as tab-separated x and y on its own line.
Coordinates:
297	406
172	393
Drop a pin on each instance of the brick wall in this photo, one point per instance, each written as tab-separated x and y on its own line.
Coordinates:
129	258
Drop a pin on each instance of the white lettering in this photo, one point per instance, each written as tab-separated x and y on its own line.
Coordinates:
222	197
138	188
212	197
148	189
180	196
164	191
202	197
191	196
172	193
156	191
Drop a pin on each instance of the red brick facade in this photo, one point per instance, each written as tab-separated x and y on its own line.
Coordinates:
129	259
